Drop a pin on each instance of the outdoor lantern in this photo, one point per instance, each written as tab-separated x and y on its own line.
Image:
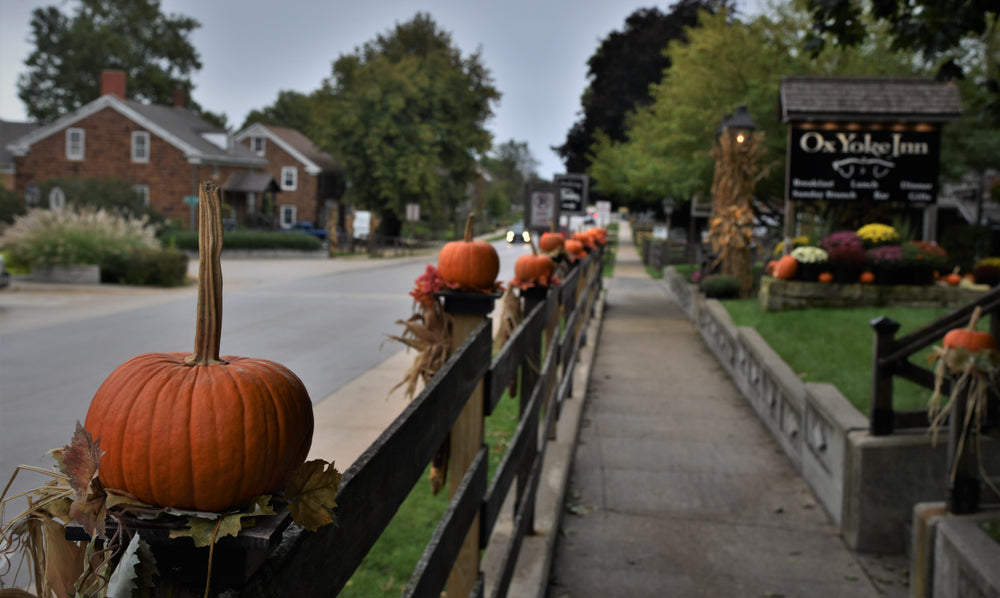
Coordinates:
741	123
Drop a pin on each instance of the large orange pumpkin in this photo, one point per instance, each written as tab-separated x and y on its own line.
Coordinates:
533	269
196	431
551	242
970	338
786	267
469	264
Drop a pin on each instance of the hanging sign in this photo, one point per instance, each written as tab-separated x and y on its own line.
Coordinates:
572	193
878	165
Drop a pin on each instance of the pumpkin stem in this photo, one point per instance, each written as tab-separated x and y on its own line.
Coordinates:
468	227
534	250
208	328
976	314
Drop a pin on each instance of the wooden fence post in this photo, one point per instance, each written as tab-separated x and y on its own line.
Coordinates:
468	311
963	475
882	418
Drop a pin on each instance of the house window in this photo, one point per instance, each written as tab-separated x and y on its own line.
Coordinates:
257	145
74	144
140	146
142	192
289	178
288	213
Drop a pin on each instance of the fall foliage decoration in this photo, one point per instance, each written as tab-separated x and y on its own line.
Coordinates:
469	265
428	331
199	431
786	267
972	357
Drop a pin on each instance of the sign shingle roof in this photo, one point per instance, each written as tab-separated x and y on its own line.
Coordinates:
890	99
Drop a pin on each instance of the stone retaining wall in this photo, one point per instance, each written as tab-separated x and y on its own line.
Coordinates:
778	294
868	484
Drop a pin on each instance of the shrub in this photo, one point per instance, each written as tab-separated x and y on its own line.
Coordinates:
809	255
878	235
885	256
74	236
188	240
156	267
925	253
989	261
844	247
720	286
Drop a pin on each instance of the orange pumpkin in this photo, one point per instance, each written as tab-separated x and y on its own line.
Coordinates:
533	268
954	278
575	248
469	264
866	278
786	267
196	431
551	242
769	268
826	277
970	338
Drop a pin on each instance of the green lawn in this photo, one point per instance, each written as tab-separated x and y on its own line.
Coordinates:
835	345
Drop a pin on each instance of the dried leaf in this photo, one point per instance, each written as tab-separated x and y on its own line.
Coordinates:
81	462
312	494
91	511
63	558
134	574
206	531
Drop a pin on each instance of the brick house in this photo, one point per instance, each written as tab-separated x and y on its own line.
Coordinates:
164	151
9	131
310	181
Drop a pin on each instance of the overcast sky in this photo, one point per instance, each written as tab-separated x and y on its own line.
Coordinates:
536	50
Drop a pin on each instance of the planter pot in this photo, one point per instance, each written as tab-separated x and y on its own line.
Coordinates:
890	275
810	272
921	275
87	274
845	273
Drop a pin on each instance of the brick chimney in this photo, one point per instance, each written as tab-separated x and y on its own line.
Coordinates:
179	97
113	83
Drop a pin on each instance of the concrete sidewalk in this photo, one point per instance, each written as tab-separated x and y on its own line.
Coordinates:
676	488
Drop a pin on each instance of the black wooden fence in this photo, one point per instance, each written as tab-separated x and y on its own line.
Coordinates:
544	350
891	358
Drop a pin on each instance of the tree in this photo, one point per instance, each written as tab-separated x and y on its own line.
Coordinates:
291	109
63	71
625	64
936	30
406	114
511	166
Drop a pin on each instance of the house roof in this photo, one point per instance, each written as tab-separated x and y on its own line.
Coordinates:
9	131
199	140
890	99
295	143
251	182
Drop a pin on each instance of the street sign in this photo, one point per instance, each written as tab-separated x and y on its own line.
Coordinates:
572	193
542	209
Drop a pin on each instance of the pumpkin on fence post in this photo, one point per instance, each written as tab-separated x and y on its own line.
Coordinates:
468	264
199	431
533	269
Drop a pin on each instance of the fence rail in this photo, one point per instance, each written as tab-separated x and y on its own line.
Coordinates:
543	350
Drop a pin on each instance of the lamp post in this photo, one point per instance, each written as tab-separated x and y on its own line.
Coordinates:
737	153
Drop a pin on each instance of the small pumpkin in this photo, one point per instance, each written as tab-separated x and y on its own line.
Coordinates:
199	431
533	269
551	242
969	338
469	264
786	267
769	268
826	277
866	278
575	248
954	278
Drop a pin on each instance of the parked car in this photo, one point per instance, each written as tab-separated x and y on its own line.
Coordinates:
304	226
518	234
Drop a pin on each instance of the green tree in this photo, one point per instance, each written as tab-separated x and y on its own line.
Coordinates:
511	166
63	71
621	70
291	109
722	64
406	114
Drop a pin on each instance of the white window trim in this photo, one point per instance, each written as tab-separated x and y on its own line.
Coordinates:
289	183
73	152
143	191
254	140
136	156
290	209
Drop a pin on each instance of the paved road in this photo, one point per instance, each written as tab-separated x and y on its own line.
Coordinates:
327	320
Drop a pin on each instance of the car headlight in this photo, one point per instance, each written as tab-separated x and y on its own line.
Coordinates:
510	236
526	236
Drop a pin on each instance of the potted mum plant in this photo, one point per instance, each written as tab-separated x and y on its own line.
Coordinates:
886	263
878	235
846	255
921	259
812	262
